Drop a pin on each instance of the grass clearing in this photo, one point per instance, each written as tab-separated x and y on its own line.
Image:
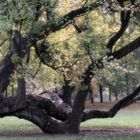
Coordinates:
126	118
9	124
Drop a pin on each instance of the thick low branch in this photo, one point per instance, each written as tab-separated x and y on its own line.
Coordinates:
113	110
41	110
57	110
41	119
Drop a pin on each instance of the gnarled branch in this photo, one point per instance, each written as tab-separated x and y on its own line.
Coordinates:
114	109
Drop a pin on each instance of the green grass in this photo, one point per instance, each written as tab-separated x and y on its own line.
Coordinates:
122	119
9	124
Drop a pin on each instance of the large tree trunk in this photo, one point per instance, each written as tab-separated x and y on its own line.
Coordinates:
79	102
77	112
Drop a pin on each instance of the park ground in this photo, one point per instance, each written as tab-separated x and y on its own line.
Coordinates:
124	126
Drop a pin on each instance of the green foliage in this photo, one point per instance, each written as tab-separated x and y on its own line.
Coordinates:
69	51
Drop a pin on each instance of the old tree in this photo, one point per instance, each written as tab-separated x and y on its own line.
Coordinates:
27	28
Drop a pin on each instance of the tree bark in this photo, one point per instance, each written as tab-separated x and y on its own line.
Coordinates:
6	69
21	92
77	112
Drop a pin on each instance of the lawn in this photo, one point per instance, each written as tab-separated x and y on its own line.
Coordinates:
11	125
126	118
